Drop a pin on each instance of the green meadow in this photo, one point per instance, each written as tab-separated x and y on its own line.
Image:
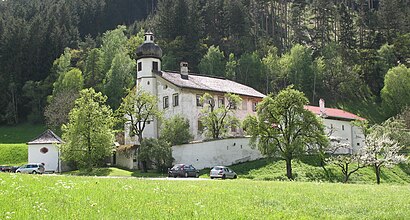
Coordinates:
62	197
13	154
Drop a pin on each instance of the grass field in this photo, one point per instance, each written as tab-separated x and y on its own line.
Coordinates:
114	171
304	170
13	154
307	169
20	134
63	197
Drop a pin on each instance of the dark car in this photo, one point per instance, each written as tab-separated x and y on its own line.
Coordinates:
4	168
183	170
13	169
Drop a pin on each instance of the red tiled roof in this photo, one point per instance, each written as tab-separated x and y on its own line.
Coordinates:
334	113
210	83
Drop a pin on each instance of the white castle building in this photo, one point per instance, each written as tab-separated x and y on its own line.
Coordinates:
179	93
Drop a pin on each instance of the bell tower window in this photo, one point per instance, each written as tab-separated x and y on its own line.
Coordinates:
154	66
139	66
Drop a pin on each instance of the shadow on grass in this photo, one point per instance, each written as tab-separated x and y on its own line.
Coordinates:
149	174
312	160
246	167
405	168
93	172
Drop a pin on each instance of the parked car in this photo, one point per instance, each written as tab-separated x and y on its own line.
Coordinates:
33	168
183	170
13	169
222	172
4	168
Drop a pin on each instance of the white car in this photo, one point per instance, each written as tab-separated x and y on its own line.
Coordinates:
33	168
222	172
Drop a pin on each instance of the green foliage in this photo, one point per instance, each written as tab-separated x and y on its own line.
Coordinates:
339	79
13	154
396	88
69	81
250	71
21	133
113	42
284	127
134	42
137	108
157	151
213	62
88	136
93	73
297	69
99	198
218	117
230	68
176	131
119	79
271	62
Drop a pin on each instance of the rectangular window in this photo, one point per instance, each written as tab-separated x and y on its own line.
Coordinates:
233	128
200	127
254	104
154	66
244	104
166	102
221	101
175	99
139	66
198	100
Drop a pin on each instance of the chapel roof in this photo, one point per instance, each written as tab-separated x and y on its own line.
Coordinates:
334	113
209	83
47	137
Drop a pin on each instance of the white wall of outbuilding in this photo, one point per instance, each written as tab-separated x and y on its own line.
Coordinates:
50	159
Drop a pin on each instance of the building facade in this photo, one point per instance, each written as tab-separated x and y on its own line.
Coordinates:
179	92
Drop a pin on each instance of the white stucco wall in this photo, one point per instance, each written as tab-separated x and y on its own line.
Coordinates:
187	105
346	133
125	160
50	159
212	153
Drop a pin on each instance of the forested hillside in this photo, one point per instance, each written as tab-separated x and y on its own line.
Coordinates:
353	53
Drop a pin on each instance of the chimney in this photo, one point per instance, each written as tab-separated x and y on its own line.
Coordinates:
322	107
184	70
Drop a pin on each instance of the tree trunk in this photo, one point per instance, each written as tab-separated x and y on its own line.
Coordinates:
377	170
289	168
144	166
347	175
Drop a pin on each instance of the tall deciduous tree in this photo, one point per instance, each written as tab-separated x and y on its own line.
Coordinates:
230	67
175	130
218	116
213	63
137	109
88	136
284	127
396	89
157	151
119	79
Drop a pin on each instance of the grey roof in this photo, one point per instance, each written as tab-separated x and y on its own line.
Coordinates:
210	83
149	50
47	137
